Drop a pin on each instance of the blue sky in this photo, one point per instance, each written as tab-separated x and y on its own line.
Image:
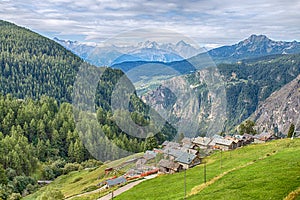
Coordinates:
208	22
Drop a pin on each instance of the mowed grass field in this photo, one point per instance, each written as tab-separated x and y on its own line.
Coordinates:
259	171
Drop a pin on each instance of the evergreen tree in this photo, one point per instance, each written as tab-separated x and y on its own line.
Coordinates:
3	177
150	142
291	131
247	127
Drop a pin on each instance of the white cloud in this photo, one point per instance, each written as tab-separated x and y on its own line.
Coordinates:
209	22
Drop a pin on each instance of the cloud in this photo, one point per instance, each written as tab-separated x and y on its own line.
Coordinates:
209	22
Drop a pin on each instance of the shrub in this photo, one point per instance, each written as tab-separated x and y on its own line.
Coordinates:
69	167
20	183
90	188
15	196
77	179
51	194
48	173
91	163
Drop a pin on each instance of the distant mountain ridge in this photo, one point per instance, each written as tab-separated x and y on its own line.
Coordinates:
109	55
253	47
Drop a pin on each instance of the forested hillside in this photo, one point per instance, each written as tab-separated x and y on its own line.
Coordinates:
32	65
38	136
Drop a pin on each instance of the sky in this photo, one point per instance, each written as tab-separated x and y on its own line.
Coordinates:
208	23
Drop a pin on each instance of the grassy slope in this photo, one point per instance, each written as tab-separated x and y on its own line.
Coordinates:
270	170
85	178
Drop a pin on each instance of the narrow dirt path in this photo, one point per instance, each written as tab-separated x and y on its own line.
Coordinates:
86	193
121	190
293	195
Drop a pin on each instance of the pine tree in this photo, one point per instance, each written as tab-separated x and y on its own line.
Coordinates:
3	177
78	151
291	131
150	142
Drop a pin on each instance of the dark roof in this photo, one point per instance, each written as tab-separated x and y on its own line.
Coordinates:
168	164
172	145
116	181
264	136
186	158
173	152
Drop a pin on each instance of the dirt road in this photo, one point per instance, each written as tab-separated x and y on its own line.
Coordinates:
121	190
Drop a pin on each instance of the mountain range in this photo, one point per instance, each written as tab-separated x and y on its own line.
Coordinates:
253	69
253	47
111	54
148	51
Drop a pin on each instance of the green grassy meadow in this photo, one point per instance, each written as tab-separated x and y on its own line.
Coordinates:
258	171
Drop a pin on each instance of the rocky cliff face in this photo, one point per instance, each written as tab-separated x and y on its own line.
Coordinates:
278	111
246	85
195	104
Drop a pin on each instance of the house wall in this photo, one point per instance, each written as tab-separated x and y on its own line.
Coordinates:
224	147
184	166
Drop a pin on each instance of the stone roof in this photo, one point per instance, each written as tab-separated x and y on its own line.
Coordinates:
173	152
204	141
170	145
263	136
192	151
116	181
168	164
186	158
187	141
222	141
149	155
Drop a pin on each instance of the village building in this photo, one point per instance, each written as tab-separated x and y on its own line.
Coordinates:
172	154
238	142
169	166
186	141
149	155
187	160
140	163
202	142
248	139
223	144
264	137
170	145
116	181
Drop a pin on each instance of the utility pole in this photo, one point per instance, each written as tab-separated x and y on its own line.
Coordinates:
204	168
184	183
188	163
221	162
